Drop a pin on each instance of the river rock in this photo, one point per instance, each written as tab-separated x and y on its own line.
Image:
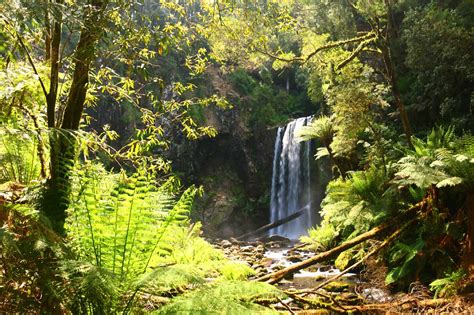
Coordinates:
225	244
294	258
274	245
307	279
277	238
277	267
266	262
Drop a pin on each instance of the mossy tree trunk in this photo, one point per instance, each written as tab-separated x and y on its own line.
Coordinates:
62	137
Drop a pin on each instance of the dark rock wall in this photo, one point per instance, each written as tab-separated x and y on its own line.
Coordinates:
235	169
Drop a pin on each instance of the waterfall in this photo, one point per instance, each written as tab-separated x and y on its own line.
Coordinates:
291	181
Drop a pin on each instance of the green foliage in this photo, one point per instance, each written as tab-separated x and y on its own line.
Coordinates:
438	53
352	95
320	128
438	138
170	278
353	206
448	286
125	228
85	287
120	222
262	103
19	156
29	262
404	256
228	297
321	237
438	160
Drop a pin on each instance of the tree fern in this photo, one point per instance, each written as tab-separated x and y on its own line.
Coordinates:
437	161
353	205
320	128
122	220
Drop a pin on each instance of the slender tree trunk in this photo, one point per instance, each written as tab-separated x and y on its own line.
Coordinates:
47	32
85	52
51	97
391	73
468	257
63	140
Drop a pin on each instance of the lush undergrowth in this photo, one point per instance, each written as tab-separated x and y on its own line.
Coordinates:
438	169
130	247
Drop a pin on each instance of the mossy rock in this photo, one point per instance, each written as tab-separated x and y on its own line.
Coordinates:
337	286
344	260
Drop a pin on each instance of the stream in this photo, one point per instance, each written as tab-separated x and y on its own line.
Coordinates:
275	253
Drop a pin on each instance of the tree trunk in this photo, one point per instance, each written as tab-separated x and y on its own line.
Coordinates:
47	32
468	256
391	74
396	94
85	52
63	141
56	198
52	95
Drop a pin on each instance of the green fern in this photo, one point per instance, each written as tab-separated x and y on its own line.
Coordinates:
353	206
93	288
142	236
404	255
449	285
120	222
228	297
320	128
442	167
19	156
439	137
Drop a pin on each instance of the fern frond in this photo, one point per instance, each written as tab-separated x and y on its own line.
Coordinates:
93	287
165	279
320	128
228	297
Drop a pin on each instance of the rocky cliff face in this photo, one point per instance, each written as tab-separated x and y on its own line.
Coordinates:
235	170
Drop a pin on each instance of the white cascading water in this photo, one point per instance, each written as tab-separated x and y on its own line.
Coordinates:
291	181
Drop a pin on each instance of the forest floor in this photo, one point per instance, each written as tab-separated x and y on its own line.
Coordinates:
362	291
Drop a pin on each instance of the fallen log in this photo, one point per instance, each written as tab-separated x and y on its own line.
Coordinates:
390	239
332	253
274	224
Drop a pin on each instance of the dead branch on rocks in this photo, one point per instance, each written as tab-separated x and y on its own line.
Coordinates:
274	224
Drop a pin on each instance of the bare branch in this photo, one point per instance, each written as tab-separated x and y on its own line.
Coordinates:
368	36
364	39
